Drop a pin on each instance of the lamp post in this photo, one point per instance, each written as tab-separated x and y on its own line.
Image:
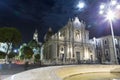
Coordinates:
113	39
108	10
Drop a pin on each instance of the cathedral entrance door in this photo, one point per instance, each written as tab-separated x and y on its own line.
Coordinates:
78	57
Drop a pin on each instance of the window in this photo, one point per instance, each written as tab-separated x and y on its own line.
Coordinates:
117	52
62	49
105	42
106	53
107	56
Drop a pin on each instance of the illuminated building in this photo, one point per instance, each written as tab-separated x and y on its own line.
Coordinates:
70	44
105	50
4	47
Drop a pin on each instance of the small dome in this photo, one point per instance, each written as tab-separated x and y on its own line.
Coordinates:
48	35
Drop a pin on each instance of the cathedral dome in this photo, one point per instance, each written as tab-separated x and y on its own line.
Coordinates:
48	35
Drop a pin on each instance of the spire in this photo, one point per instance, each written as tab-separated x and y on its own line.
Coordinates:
35	35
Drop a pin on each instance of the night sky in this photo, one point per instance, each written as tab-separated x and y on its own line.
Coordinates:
28	15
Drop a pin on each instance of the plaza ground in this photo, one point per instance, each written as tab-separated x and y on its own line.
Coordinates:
61	72
7	70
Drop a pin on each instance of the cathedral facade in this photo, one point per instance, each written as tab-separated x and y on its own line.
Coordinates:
70	44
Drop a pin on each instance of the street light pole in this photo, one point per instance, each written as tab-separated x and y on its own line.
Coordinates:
113	40
109	10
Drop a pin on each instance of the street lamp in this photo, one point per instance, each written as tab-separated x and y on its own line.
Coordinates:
15	50
81	5
109	11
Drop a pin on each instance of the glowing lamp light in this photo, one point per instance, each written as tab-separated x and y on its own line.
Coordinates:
111	12
110	15
81	5
113	2
15	50
118	7
117	14
101	12
102	6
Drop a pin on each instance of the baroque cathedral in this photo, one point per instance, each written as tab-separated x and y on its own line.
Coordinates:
72	44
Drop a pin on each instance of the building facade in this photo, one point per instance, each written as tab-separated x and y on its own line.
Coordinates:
4	47
105	50
70	44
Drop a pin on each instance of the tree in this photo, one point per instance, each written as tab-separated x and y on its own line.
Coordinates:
2	55
27	52
33	44
37	57
11	55
21	49
10	36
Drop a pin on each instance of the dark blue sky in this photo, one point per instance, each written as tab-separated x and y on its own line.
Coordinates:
28	15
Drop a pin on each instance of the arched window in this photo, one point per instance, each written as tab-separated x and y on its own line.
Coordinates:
107	56
105	42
